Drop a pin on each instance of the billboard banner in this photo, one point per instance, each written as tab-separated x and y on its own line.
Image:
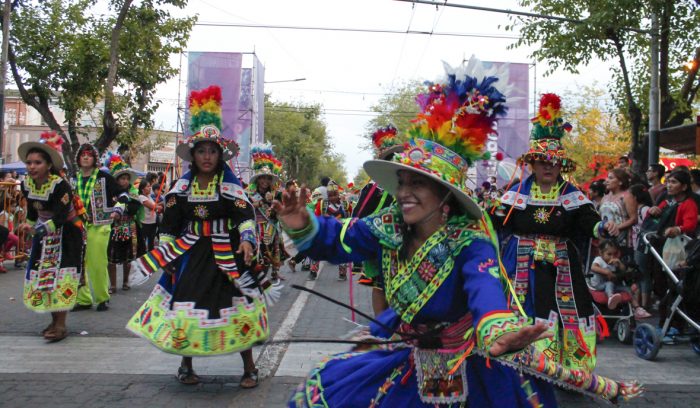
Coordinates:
222	69
512	136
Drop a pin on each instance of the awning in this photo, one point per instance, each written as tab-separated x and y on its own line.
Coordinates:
19	167
681	139
672	162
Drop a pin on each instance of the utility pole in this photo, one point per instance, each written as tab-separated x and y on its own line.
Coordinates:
654	122
3	72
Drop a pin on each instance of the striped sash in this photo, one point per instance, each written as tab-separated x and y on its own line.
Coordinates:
167	252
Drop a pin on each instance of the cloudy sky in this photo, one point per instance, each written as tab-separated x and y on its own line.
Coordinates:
347	72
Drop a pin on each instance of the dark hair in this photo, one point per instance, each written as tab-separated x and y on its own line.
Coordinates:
695	176
608	243
625	158
151	177
641	193
623	176
142	184
659	169
46	158
325	180
598	187
290	183
683	177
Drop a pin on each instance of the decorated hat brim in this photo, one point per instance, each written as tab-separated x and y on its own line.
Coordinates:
130	172
385	174
184	151
389	152
532	157
56	157
254	177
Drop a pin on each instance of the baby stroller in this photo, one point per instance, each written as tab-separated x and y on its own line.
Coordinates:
685	295
621	319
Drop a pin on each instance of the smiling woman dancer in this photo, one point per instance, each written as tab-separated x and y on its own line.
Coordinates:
56	261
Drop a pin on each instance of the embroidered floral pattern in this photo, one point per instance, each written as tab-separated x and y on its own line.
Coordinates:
201	211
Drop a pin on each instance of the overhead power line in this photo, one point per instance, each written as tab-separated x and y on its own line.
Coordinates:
356	30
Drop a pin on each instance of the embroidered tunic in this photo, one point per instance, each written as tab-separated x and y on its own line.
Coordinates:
267	236
56	260
546	268
451	287
209	304
124	239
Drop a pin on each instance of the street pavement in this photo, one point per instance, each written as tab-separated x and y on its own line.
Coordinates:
102	365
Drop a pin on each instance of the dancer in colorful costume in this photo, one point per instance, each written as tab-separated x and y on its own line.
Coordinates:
124	238
56	261
332	207
372	200
440	270
539	216
207	302
261	191
104	203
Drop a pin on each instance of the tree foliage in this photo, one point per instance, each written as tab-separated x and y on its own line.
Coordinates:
618	31
301	142
397	107
59	49
598	136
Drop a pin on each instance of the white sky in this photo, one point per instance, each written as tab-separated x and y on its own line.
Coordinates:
347	72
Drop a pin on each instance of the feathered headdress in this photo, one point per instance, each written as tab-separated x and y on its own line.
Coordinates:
385	142
548	128
450	133
117	166
264	162
205	123
460	113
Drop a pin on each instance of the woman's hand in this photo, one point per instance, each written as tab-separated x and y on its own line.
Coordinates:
246	248
292	210
612	228
672	232
514	341
655	211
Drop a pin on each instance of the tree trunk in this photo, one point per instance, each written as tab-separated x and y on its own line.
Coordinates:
40	104
639	157
110	129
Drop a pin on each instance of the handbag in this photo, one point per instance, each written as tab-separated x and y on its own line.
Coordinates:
674	251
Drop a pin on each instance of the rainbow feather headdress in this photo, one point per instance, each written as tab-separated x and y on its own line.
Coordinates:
117	166
386	143
547	131
265	163
205	124
458	113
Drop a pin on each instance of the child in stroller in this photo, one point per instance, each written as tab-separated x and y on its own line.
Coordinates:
611	274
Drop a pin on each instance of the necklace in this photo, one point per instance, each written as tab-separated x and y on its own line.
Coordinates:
208	191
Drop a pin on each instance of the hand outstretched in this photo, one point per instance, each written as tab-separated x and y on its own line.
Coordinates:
292	209
517	340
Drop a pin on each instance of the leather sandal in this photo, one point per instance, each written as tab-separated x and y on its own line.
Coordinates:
55	335
249	379
187	376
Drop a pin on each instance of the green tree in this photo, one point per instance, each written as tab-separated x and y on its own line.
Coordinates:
361	178
397	107
611	31
301	141
598	131
59	50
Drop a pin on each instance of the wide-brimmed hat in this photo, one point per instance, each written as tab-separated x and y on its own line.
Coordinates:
265	163
545	138
118	167
449	135
386	143
205	124
50	143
